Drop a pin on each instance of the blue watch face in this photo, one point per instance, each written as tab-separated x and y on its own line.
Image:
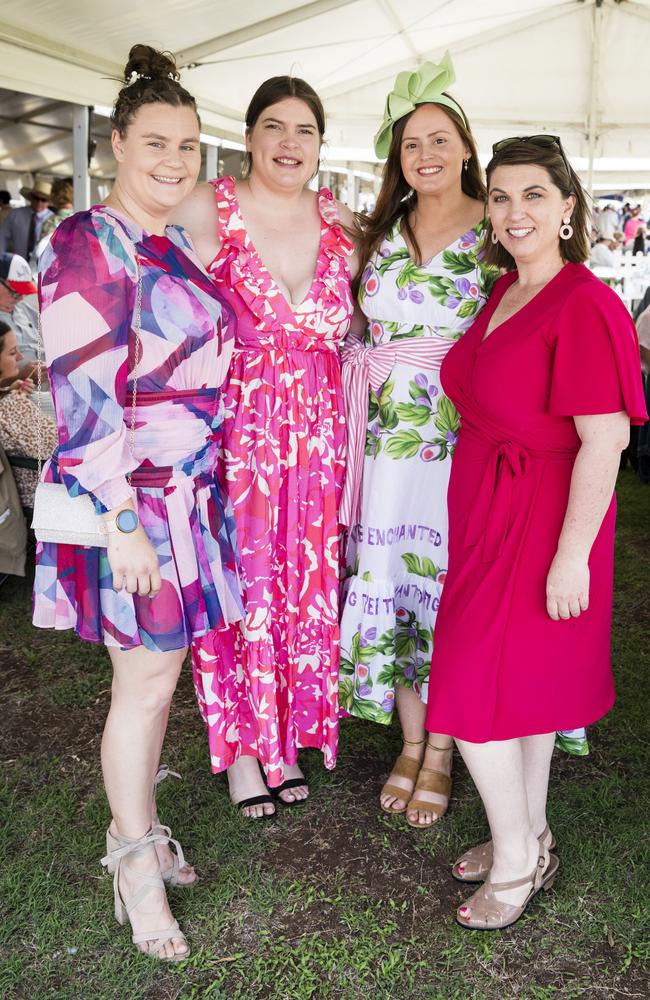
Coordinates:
127	521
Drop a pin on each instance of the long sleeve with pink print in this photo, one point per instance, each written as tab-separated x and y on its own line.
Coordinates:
87	290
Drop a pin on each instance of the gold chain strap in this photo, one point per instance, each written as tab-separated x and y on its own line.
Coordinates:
136	358
137	320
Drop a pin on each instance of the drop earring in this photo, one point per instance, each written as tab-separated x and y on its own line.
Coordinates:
466	163
566	229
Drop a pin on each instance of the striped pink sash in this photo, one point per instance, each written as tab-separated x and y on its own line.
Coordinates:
370	366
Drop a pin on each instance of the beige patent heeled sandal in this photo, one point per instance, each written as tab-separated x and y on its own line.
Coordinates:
474	865
170	876
487	913
123	908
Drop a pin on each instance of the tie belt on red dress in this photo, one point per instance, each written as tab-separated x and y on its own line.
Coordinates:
507	463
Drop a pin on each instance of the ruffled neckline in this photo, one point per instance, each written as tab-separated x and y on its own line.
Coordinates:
252	279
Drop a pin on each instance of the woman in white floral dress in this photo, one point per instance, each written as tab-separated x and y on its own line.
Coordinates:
422	285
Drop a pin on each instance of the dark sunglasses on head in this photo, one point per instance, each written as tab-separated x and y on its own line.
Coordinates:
543	141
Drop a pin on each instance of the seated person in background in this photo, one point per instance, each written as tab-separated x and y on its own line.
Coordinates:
19	310
602	253
20	420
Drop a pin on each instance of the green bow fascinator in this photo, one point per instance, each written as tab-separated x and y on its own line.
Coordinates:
424	86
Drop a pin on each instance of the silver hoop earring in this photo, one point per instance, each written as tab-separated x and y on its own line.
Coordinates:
494	237
566	230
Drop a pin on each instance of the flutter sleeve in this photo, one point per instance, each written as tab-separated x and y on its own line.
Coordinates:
87	289
595	365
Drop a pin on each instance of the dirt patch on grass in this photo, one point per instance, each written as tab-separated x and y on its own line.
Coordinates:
33	722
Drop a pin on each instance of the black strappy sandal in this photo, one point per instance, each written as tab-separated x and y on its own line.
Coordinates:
285	786
256	800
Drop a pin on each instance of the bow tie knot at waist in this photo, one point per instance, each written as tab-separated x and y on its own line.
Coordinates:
489	520
365	367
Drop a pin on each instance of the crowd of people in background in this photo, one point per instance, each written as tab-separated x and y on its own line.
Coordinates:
617	228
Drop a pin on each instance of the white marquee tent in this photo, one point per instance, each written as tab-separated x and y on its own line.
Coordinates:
578	68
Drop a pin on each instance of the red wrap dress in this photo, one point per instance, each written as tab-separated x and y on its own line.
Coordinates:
501	668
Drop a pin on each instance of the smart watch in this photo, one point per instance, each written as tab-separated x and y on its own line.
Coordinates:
125	522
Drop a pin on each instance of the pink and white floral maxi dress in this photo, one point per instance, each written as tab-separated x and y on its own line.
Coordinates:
273	689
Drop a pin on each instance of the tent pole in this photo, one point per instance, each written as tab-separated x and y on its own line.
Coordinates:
211	161
80	122
593	92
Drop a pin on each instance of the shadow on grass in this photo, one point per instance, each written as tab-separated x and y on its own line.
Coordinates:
334	900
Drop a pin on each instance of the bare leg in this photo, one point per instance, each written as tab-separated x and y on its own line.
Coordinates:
411	713
537	752
497	770
186	874
143	685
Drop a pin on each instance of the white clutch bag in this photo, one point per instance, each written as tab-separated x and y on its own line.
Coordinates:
58	517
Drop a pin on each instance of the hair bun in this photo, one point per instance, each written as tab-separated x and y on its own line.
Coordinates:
145	61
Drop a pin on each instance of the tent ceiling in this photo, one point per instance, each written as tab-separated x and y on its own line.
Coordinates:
521	66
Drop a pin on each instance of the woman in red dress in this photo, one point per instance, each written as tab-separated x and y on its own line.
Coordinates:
546	382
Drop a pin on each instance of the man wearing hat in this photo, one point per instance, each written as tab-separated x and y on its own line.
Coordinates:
21	230
19	309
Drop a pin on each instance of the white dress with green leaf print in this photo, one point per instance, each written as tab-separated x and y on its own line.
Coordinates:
396	557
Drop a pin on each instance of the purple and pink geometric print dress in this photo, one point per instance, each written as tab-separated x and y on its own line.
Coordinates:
272	690
88	288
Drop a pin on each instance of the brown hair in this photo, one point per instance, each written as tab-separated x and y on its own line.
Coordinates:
574	250
62	193
278	88
155	82
396	200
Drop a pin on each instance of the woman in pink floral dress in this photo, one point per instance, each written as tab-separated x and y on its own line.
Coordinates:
279	256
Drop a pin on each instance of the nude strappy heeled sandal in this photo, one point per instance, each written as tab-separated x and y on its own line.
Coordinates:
476	862
487	913
123	908
430	780
170	876
404	767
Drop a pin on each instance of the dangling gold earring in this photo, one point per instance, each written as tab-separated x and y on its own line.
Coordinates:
494	237
466	163
566	230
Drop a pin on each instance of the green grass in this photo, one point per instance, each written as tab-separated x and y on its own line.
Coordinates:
335	900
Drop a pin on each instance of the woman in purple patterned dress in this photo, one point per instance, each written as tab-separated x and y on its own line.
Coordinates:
169	571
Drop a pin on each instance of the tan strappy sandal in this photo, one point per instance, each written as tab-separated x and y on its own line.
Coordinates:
170	876
487	913
474	865
124	908
404	767
430	780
